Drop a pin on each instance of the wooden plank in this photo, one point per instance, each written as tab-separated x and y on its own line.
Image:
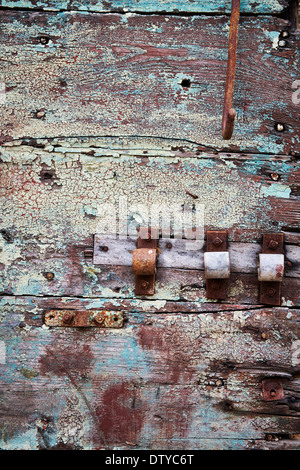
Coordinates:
148	81
173	6
52	195
189	380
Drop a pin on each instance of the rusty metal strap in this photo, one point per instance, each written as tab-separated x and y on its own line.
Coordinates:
228	111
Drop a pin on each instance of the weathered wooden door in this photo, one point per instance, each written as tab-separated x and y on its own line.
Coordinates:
113	108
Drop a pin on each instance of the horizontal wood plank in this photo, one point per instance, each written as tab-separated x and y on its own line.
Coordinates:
53	194
147	75
187	379
165	6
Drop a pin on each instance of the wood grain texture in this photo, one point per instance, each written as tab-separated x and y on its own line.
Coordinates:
175	380
123	75
165	6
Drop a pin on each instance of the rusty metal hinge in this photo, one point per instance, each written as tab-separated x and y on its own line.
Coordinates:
144	259
216	264
84	318
271	269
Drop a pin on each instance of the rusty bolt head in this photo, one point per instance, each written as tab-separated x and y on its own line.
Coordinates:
68	317
49	276
169	245
98	318
145	284
217	241
264	335
271	292
273	244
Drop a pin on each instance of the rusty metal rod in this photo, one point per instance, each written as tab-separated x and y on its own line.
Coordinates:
228	111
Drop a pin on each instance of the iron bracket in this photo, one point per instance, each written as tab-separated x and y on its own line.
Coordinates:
84	318
144	259
216	264
271	269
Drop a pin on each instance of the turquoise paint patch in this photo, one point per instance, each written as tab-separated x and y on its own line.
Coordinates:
276	190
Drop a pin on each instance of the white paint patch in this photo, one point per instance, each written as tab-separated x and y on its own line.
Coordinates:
149	305
2	352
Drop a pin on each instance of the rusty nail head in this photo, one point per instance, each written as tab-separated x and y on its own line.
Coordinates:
49	276
44	40
104	248
169	245
274	176
279	127
217	241
273	244
68	317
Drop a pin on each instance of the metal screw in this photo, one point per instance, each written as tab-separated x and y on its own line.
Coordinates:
49	276
271	292
98	318
68	317
279	127
145	284
217	241
273	244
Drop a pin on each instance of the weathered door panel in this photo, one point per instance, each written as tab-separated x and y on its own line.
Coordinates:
110	105
137	75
